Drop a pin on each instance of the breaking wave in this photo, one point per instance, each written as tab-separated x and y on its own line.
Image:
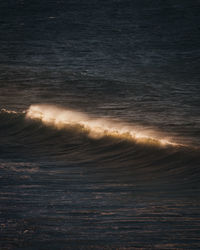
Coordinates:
71	137
95	128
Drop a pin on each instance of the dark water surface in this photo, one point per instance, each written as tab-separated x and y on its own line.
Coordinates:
134	63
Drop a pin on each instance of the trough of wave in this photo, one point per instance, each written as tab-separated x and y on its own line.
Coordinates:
95	128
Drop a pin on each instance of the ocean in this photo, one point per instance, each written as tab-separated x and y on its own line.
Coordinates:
99	124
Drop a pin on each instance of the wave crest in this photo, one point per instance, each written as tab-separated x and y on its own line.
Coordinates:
95	128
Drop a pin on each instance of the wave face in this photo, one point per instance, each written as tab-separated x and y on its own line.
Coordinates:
55	133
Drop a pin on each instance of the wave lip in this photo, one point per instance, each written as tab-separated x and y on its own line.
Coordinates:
95	128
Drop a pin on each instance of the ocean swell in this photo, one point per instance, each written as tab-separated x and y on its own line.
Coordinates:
55	134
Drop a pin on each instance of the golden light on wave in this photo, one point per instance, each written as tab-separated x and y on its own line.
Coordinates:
96	128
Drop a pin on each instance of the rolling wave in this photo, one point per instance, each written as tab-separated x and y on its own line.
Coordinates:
95	128
73	137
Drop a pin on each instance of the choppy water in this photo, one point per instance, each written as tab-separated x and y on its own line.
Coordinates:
99	125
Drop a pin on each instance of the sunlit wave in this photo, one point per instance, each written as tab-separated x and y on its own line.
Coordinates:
95	128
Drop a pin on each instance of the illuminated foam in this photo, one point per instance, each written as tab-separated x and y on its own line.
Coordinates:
96	128
8	111
3	110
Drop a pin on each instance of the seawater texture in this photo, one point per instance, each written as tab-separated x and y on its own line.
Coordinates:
56	173
99	124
